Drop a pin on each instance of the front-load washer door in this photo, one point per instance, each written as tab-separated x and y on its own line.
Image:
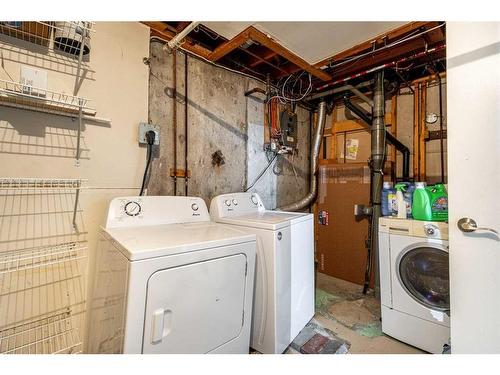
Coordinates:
420	278
424	273
195	308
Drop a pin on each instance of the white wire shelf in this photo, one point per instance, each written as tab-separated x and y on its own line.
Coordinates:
7	183
37	32
67	36
37	98
26	259
49	335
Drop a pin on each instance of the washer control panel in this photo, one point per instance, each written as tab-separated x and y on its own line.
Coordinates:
431	230
235	204
155	210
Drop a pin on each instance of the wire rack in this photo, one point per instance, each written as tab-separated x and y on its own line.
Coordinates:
70	37
26	259
25	95
44	184
52	334
40	183
38	32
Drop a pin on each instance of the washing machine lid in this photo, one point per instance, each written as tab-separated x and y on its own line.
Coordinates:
153	241
271	220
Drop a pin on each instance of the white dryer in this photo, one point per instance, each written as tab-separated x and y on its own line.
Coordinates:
168	280
414	282
284	279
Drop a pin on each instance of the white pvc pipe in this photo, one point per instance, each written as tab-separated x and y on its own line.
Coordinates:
175	42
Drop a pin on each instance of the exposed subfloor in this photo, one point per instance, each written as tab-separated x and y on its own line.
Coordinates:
354	318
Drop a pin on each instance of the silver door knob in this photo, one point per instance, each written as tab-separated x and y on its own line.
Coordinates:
468	225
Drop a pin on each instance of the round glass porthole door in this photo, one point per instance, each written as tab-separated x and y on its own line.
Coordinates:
424	273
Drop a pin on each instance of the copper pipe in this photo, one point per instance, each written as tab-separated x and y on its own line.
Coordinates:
174	115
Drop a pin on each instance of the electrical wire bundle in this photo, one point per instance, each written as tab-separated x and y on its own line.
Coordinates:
292	90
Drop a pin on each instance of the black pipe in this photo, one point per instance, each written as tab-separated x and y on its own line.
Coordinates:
367	119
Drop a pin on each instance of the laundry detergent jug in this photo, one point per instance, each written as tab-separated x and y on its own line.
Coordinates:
388	198
421	205
438	197
430	203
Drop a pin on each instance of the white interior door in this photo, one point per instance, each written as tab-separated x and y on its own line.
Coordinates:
473	79
195	308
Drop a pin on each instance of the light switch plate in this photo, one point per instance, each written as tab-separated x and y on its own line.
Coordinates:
144	128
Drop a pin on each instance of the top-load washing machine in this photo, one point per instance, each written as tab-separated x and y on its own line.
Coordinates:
284	280
414	282
166	279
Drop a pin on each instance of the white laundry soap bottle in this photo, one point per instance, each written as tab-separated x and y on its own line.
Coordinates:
400	202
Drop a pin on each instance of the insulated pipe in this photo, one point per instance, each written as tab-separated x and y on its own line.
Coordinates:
367	119
176	41
313	183
378	139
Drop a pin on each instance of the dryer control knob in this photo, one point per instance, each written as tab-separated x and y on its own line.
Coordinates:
254	199
235	202
227	202
194	207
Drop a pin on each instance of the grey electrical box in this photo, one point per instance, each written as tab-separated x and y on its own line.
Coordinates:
288	125
144	128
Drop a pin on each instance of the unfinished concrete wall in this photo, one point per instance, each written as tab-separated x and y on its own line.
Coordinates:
219	118
293	170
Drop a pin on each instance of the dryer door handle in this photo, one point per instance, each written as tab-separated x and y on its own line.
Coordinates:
161	325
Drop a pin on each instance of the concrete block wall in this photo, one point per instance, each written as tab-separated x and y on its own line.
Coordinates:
220	118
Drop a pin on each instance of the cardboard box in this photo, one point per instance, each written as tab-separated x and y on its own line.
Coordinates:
340	247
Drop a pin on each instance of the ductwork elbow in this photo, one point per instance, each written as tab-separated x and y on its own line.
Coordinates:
310	197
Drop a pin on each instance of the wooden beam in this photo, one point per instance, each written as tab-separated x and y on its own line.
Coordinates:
229	46
162	31
267	41
266	57
182	25
379	39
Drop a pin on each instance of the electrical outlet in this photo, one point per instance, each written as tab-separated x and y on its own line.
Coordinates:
144	128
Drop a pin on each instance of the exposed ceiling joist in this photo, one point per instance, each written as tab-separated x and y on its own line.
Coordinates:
161	30
378	40
230	45
267	41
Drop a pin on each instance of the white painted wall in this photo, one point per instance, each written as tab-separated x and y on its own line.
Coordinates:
40	145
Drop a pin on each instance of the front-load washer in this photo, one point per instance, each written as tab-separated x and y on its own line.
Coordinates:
284	280
414	282
166	279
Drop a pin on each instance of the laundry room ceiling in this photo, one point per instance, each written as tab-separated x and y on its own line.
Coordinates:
330	52
307	39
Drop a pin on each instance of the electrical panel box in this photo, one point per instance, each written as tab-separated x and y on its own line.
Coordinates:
144	128
288	124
